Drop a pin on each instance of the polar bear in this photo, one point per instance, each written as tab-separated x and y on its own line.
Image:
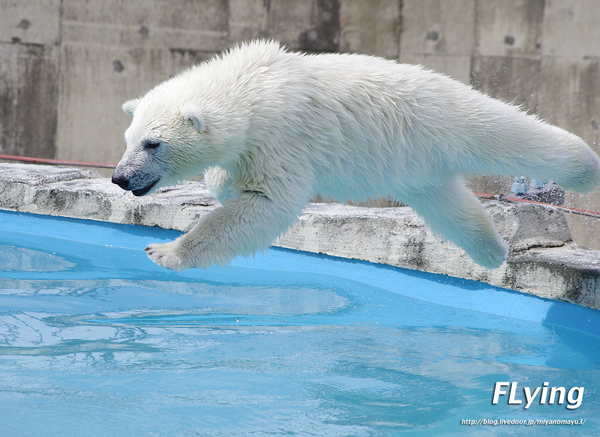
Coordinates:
269	128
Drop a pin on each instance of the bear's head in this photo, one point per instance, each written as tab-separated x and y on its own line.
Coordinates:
170	140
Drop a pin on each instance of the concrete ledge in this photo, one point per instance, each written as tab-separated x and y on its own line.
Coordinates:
71	192
542	261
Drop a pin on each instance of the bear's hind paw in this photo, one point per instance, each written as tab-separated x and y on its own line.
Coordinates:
491	256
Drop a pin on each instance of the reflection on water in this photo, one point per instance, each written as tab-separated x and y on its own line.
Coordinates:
89	349
26	260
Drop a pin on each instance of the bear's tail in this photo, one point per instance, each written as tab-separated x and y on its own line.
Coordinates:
518	144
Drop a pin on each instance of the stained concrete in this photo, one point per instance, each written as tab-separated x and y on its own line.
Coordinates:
543	260
28	99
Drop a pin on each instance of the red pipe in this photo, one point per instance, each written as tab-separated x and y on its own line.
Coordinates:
516	199
56	161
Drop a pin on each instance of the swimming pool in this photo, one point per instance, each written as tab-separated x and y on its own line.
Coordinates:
97	340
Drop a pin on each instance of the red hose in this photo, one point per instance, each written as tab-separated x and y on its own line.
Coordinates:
516	199
56	161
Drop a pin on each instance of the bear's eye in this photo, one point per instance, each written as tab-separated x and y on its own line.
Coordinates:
150	144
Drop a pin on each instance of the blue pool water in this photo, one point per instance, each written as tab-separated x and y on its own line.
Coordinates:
96	340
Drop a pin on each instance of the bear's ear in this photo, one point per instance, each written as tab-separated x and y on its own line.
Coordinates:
129	107
195	116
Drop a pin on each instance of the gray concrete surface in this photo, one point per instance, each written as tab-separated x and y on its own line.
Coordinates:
66	66
543	259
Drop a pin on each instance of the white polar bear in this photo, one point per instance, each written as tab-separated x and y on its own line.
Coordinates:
270	128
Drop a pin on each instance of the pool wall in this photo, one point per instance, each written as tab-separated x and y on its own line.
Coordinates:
543	259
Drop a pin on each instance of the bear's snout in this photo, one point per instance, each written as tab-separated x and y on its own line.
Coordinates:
120	181
139	186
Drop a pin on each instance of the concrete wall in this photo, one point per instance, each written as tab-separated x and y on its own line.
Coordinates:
66	66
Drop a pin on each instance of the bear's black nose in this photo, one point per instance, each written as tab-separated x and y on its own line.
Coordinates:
121	182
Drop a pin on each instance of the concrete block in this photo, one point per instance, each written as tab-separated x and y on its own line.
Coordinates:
570	96
510	27
572	28
95	81
38	175
30	21
312	26
437	27
248	19
297	25
323	35
511	79
79	193
524	225
28	99
568	273
162	23
371	28
282	20
319	25
456	66
585	230
19	182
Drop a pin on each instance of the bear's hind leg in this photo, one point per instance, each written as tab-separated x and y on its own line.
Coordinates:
452	211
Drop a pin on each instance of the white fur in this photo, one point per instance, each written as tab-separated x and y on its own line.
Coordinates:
270	128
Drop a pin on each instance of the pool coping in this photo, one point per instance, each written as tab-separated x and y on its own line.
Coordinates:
543	260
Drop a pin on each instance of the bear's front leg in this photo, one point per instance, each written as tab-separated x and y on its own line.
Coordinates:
243	225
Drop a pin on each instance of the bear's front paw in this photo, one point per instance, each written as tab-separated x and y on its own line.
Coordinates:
167	255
